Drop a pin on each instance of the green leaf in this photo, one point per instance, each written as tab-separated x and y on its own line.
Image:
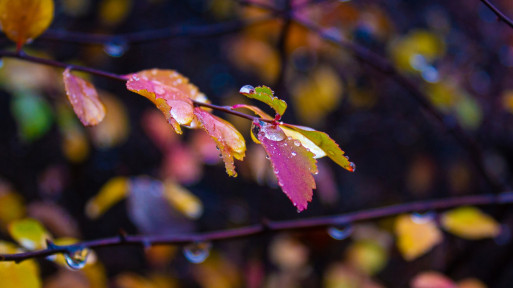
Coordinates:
33	115
266	95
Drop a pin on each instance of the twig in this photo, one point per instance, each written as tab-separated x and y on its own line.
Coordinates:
498	12
273	226
155	35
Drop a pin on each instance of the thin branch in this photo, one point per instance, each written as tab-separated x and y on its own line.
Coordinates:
49	62
272	226
385	66
498	12
209	30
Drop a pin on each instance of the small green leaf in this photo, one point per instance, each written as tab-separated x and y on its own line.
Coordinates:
266	95
33	115
29	233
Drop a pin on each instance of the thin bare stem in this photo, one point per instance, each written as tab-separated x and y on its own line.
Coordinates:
273	226
209	30
498	12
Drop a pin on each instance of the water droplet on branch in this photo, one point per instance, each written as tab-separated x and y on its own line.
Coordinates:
197	252
77	258
340	232
115	48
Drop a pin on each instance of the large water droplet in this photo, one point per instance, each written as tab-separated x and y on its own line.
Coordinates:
274	134
76	259
247	89
340	232
115	48
197	252
421	218
297	143
293	154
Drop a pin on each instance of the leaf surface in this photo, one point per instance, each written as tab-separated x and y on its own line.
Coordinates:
29	233
325	143
170	91
83	97
470	223
229	141
24	20
292	163
183	200
18	275
111	193
416	237
266	95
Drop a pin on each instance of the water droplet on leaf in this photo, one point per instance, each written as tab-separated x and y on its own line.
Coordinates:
297	143
340	232
197	252
293	154
76	259
247	89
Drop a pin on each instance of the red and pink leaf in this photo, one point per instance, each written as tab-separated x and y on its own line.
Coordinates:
170	91
229	141
292	163
83	97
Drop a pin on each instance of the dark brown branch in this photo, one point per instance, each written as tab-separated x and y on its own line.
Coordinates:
385	66
498	12
273	226
209	30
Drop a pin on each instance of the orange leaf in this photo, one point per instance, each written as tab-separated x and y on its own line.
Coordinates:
432	279
229	141
170	91
24	20
83	97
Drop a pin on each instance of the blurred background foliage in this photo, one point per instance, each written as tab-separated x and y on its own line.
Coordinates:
132	172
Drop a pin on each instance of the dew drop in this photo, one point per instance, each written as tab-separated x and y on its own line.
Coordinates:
353	167
197	252
116	48
267	157
340	232
297	143
421	218
274	134
247	89
293	154
1	63
76	259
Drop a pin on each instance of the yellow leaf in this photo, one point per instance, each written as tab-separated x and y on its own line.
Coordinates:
367	256
11	205
183	200
112	12
114	129
111	193
317	95
18	275
416	237
470	223
24	20
83	97
29	233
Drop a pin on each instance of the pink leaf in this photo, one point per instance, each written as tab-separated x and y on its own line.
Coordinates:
292	163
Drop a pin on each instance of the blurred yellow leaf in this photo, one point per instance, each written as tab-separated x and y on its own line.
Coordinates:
18	275
342	276
507	100
160	255
217	271
470	223
414	47
253	55
183	200
131	280
111	193
112	12
367	256
432	279
288	253
317	95
29	233
24	20
11	205
115	127
416	237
